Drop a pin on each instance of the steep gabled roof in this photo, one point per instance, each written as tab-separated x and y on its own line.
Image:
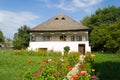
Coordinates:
59	22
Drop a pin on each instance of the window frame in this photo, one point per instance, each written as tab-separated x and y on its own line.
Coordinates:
78	38
72	38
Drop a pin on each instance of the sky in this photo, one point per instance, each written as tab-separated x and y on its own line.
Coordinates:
16	13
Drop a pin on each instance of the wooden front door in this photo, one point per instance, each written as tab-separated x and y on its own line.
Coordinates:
81	48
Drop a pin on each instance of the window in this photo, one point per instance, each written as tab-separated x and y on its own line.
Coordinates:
63	38
78	38
46	38
33	38
72	38
63	18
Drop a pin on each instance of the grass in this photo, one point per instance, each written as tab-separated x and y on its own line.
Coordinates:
107	66
15	66
11	65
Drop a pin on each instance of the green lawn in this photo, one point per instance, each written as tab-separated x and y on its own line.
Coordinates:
17	66
107	66
11	65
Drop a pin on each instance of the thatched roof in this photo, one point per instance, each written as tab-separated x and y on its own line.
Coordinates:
60	22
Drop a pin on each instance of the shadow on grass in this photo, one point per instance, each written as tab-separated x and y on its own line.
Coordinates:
108	70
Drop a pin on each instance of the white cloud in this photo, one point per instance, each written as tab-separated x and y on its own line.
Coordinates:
11	21
65	5
86	3
72	5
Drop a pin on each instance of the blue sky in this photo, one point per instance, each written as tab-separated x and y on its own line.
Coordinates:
16	13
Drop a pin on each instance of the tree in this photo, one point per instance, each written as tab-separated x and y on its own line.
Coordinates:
21	38
102	17
1	37
105	24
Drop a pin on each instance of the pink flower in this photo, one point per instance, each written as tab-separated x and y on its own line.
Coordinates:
36	74
94	77
55	75
84	73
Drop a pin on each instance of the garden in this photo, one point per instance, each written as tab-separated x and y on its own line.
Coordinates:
41	65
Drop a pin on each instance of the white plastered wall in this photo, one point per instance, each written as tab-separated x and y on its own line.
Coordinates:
59	46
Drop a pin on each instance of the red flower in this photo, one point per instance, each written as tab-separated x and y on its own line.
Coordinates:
94	77
84	73
36	74
75	77
69	67
46	61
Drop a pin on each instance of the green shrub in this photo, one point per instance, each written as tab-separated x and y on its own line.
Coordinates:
42	53
66	50
21	52
73	58
118	52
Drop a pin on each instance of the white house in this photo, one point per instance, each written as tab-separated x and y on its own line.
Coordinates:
58	32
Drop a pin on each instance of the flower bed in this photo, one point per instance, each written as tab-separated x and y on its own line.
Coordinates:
48	69
83	70
56	67
53	67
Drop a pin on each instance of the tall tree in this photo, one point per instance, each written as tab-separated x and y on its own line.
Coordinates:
21	38
1	37
106	28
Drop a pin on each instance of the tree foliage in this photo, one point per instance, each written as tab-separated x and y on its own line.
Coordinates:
105	24
21	38
1	37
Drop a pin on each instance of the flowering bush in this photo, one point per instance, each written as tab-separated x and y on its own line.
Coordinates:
73	58
89	58
37	53
56	67
84	75
83	69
